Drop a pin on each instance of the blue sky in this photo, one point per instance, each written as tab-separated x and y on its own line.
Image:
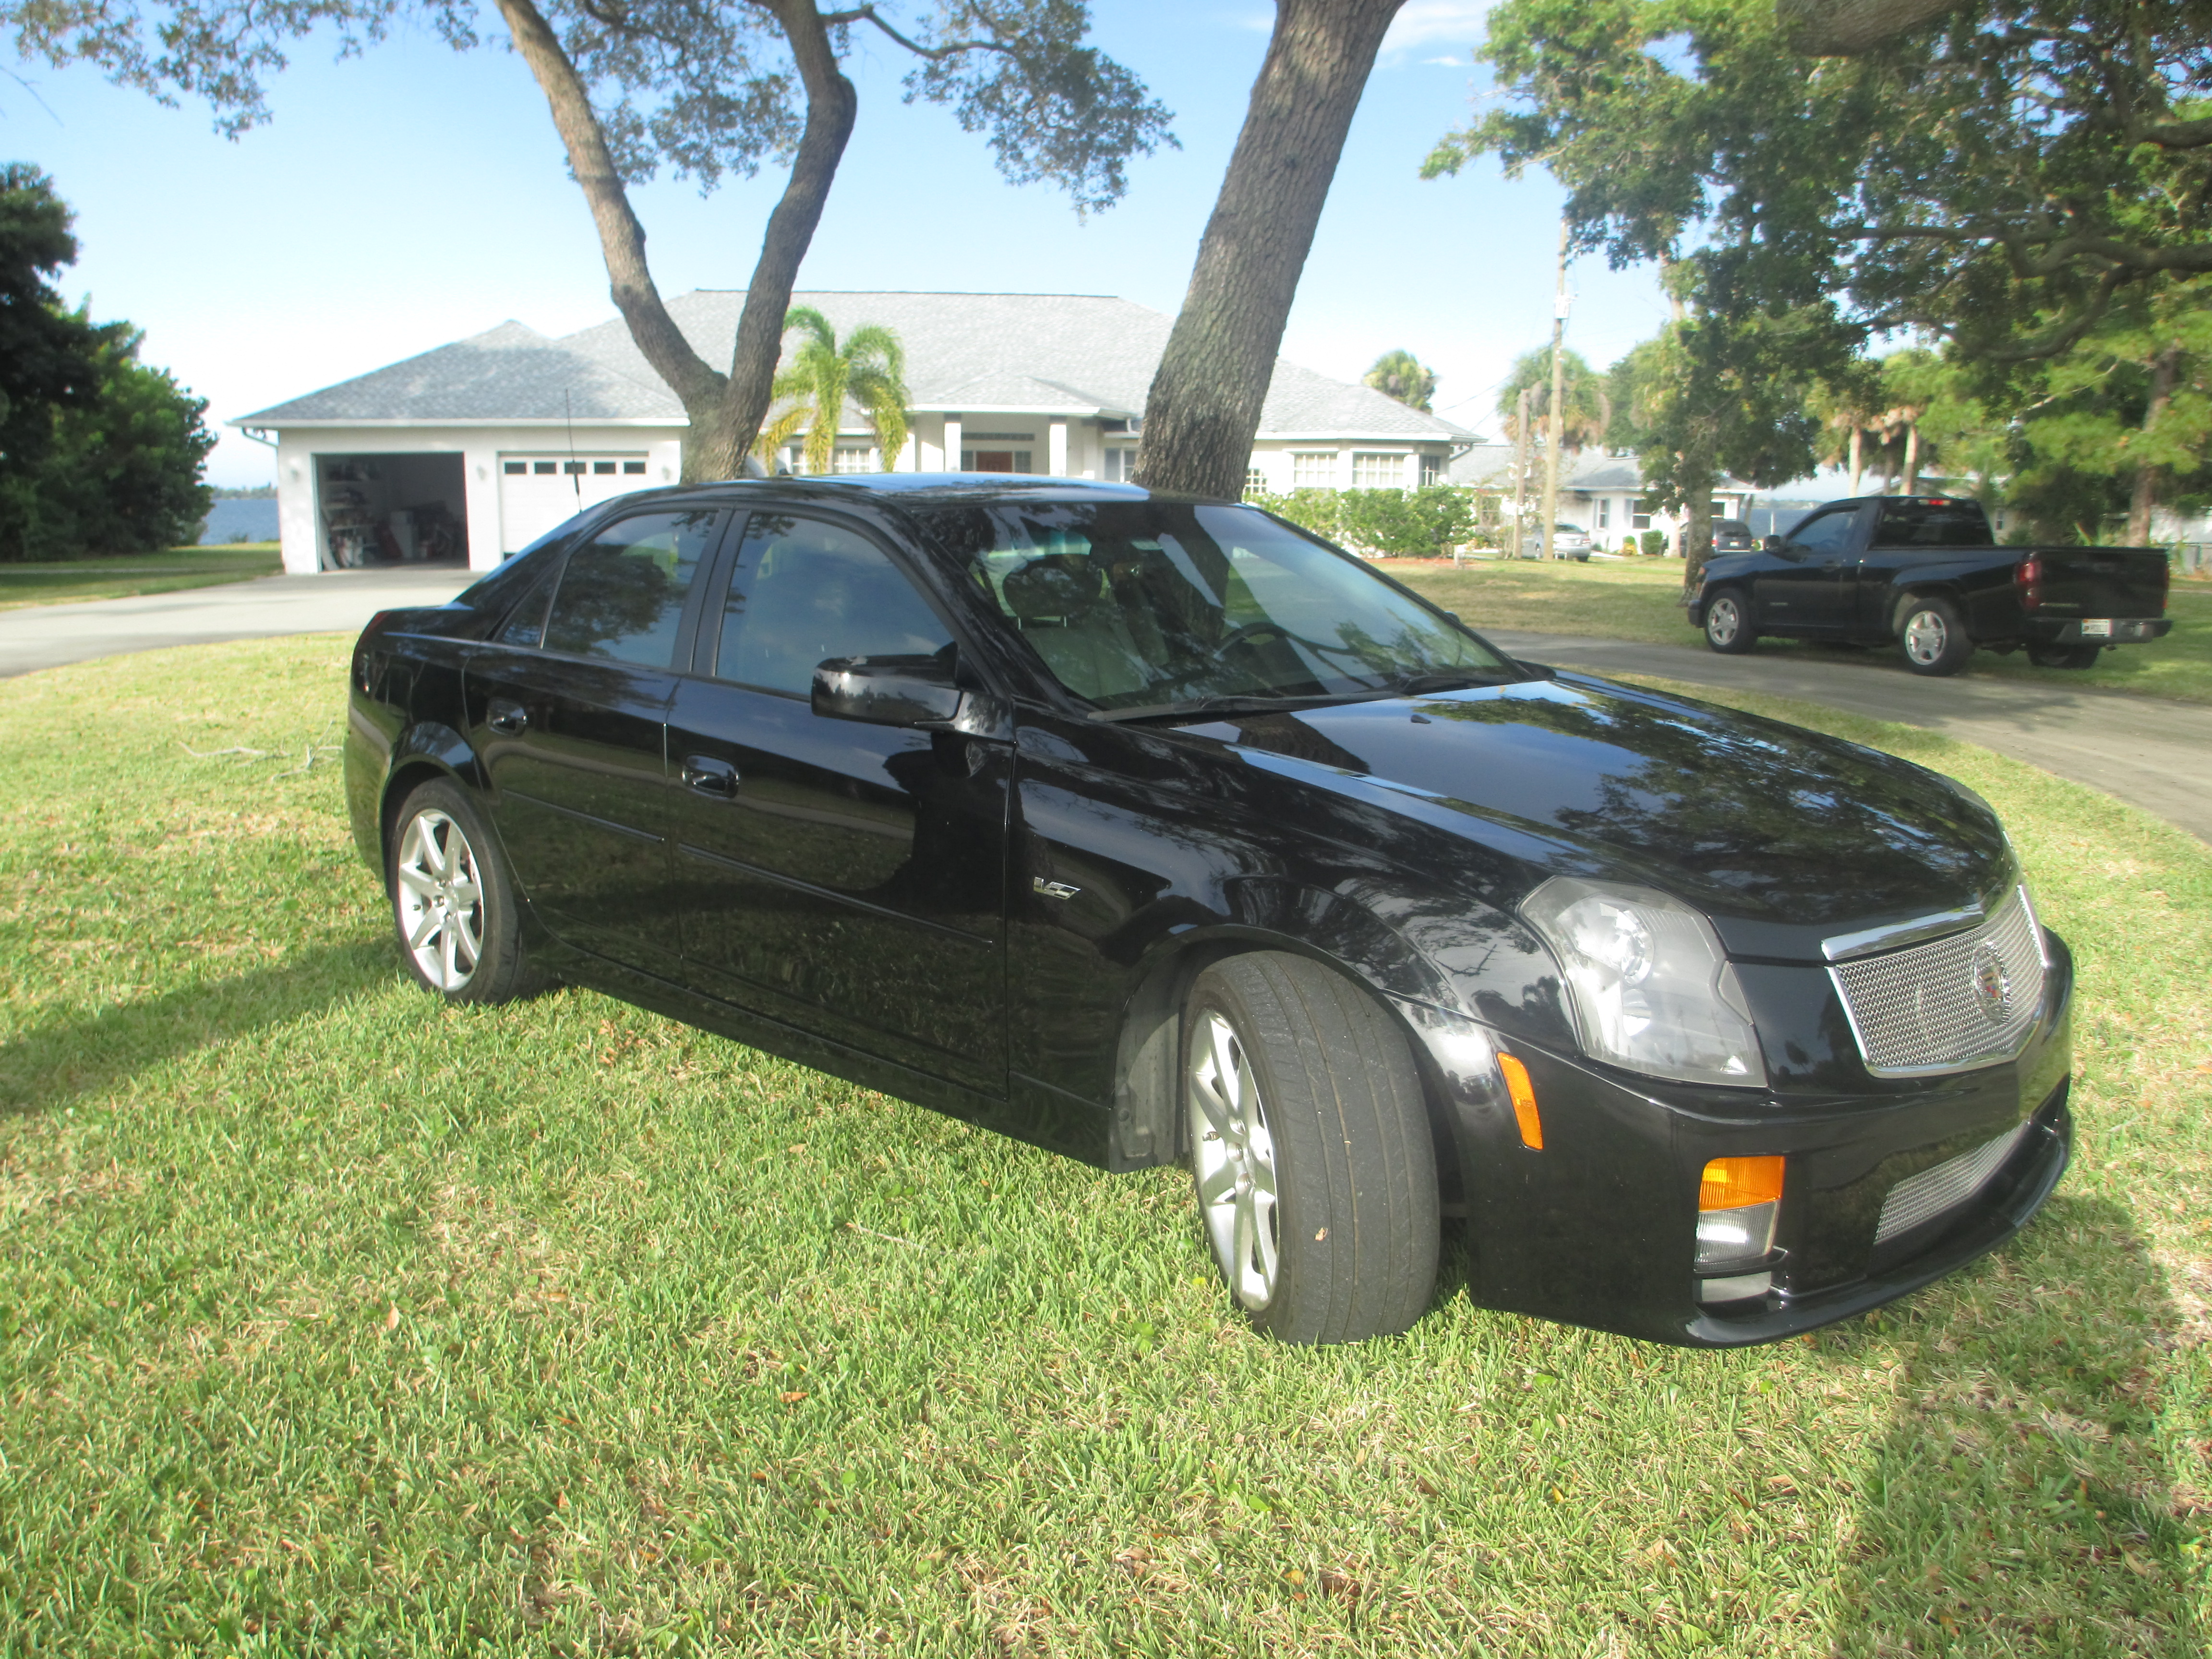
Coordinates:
416	195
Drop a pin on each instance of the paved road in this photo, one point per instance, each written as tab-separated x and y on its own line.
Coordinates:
338	602
2156	754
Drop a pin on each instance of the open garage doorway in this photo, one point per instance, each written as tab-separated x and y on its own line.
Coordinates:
390	509
537	492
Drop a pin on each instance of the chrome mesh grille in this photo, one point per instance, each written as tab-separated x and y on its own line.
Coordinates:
1950	1004
1917	1198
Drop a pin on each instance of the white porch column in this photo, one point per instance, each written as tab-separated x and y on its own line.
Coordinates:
296	504
1055	449
480	487
951	443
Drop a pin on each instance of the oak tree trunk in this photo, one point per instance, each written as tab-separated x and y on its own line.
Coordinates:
725	411
1204	405
2165	369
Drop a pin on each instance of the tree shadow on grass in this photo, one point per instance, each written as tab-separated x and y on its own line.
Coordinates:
73	1056
2024	1502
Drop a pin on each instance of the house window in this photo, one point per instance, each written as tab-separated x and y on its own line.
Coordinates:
545	467
1121	464
574	466
1639	513
1313	470
1255	480
1432	471
1375	470
1604	514
994	460
854	458
634	469
602	469
513	467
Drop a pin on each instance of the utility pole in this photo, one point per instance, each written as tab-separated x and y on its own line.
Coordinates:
1521	472
1554	417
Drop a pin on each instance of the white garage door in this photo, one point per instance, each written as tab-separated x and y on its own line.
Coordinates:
537	492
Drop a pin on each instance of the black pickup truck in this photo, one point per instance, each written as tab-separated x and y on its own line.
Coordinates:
1924	571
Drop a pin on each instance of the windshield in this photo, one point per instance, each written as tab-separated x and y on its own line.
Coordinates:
1142	605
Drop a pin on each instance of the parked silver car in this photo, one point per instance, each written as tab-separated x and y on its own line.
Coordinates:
1568	542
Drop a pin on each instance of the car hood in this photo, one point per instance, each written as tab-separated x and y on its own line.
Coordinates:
1782	835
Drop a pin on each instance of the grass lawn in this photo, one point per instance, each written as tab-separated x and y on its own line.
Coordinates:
334	1321
1636	600
62	581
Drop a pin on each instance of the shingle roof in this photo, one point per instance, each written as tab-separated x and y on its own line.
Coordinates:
1590	471
1064	354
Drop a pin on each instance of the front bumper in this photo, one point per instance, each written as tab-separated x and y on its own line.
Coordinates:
1598	1228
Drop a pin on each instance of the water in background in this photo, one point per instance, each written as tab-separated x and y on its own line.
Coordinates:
252	519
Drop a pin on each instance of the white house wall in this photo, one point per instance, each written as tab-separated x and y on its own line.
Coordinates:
298	506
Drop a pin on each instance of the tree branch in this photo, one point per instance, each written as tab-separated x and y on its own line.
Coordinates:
622	238
935	54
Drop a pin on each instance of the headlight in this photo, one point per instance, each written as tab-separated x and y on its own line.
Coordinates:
1650	988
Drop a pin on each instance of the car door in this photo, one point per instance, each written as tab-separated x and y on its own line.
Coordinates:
1808	584
845	879
566	707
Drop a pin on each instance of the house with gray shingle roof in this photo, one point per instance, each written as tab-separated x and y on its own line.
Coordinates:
476	448
1600	492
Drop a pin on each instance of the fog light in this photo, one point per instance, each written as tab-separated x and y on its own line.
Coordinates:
1738	1199
1738	1289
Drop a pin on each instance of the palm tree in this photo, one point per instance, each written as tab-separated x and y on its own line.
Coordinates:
869	369
1585	411
1399	374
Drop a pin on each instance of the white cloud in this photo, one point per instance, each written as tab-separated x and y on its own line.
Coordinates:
1458	22
1447	62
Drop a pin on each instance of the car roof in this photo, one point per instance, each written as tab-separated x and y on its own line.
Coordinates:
938	489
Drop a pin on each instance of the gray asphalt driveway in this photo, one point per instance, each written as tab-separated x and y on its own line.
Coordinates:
336	602
2156	754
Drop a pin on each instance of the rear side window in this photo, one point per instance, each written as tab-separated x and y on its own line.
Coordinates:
622	594
1933	524
805	591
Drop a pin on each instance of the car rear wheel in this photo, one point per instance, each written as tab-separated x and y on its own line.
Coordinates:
1932	637
452	902
1310	1150
2064	656
1728	623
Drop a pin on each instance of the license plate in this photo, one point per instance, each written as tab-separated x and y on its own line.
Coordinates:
2096	627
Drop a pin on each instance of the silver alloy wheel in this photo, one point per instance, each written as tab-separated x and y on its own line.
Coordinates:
441	899
1926	636
1723	620
1234	1161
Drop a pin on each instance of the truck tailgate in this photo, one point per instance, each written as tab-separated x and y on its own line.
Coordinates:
2101	581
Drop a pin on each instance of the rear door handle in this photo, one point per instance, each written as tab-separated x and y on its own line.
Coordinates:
508	717
710	776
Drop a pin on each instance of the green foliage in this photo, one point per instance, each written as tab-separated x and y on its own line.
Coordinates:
118	472
869	369
48	354
1395	523
1585	406
1998	174
1653	543
1400	375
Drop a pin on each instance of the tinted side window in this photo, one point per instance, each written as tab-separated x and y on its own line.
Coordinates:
1929	524
805	591
525	624
622	595
1830	532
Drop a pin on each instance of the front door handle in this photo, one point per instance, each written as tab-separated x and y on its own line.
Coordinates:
710	776
507	717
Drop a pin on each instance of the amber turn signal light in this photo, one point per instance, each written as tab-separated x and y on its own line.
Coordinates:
1734	1183
1524	1103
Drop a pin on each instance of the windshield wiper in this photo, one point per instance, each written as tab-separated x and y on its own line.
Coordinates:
1242	704
1415	685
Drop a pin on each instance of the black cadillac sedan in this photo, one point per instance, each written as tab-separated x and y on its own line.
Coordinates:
1155	831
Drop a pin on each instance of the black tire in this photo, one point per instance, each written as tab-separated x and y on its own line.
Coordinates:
1931	636
2064	656
1342	1135
469	948
1727	622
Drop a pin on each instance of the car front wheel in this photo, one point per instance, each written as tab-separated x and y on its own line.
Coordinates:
452	902
1728	623
1309	1149
1932	637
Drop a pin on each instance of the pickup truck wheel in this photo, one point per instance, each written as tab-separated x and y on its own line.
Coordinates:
2064	656
1310	1150
1933	638
1727	622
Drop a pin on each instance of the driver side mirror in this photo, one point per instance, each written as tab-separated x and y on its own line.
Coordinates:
1772	544
907	691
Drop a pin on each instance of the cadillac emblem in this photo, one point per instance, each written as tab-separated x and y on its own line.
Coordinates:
1992	988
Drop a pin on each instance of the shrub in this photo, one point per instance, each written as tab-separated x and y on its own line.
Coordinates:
1400	523
1655	543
